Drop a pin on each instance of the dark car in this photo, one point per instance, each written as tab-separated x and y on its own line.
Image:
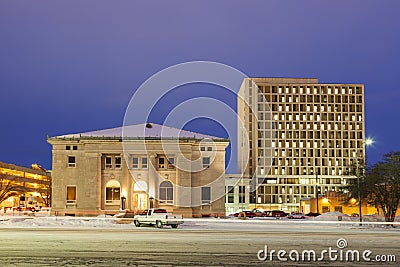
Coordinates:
313	214
296	215
247	213
276	213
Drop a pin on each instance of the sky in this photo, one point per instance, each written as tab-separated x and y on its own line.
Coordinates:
73	66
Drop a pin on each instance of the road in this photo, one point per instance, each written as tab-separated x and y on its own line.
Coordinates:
194	244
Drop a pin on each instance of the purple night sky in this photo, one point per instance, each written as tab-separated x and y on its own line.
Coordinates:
72	66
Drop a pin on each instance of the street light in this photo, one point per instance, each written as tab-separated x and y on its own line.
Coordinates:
316	188
366	142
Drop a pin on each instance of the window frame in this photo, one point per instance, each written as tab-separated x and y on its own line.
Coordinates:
205	165
166	192
67	197
204	194
71	164
108	165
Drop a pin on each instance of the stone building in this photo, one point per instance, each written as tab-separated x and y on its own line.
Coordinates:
303	137
137	167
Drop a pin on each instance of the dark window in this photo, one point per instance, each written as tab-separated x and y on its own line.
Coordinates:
108	162
75	147
161	163
118	162
206	162
71	162
166	192
144	163
135	162
205	195
68	148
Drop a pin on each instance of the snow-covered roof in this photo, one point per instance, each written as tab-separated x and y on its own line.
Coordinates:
144	130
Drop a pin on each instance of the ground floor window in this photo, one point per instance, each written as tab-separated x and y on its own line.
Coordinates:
71	194
166	192
113	192
205	195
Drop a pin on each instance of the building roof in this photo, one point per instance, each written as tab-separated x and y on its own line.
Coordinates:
144	130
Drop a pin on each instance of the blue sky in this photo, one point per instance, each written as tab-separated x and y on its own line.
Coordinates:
72	66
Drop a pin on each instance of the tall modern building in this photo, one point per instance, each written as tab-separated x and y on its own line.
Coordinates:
297	135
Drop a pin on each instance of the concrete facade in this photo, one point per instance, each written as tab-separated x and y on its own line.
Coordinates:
101	172
303	138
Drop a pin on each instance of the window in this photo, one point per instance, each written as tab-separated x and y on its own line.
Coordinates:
242	194
230	194
71	194
71	162
68	148
113	192
205	195
108	162
202	148
166	192
171	163
144	163
75	147
118	162
209	148
161	163
206	162
135	162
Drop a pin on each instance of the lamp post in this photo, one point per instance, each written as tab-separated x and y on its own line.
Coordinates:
366	142
316	189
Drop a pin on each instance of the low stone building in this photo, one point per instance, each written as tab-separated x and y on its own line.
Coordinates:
137	167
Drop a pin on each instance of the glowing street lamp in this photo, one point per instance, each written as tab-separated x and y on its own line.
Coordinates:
366	142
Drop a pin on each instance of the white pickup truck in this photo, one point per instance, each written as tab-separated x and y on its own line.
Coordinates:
157	217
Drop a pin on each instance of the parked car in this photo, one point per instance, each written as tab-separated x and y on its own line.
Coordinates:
157	217
313	214
296	215
259	213
276	213
247	213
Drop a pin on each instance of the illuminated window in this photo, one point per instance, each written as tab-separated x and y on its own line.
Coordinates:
113	192
71	194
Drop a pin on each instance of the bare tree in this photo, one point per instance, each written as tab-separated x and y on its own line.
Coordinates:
383	185
45	195
9	186
379	185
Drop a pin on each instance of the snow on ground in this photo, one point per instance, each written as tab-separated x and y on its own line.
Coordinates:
329	221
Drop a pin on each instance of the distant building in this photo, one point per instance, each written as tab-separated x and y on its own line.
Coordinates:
237	190
138	167
337	202
32	186
303	135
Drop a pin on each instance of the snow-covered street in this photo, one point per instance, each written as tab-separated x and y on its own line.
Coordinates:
68	241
